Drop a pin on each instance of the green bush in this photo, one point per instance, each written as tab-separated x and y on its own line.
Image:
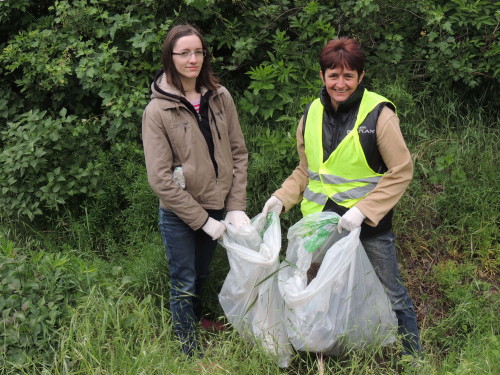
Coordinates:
122	213
36	292
44	161
440	44
290	70
91	61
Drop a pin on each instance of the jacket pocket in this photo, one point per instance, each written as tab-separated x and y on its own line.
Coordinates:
182	134
221	121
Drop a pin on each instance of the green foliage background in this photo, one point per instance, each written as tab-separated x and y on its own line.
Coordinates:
75	78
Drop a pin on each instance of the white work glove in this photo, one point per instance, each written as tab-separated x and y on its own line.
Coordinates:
178	177
237	218
214	228
351	220
273	204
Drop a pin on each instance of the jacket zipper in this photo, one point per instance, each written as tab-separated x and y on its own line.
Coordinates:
198	119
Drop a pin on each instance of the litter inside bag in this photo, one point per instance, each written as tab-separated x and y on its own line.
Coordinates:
250	296
344	306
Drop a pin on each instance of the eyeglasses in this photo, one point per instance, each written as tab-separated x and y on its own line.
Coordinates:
187	55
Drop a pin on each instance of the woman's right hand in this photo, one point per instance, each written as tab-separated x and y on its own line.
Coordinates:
214	228
272	204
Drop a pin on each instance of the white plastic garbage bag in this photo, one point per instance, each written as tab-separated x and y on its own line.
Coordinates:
250	296
345	306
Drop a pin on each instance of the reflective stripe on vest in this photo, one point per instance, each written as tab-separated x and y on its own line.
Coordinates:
345	182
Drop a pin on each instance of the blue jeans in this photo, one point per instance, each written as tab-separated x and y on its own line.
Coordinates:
381	251
189	254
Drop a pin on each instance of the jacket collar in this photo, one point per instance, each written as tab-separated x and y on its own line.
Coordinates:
161	89
345	106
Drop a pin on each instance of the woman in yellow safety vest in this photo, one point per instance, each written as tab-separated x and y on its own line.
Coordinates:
354	161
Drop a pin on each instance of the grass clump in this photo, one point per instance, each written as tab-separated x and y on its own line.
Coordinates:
37	291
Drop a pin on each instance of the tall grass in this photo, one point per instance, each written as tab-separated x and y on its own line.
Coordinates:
114	330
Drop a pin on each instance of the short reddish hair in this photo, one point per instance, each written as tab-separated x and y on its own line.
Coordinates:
342	52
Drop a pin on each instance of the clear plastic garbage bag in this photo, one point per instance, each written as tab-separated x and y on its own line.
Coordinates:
345	306
250	296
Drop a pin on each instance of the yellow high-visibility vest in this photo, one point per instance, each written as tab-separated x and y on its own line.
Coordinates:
345	177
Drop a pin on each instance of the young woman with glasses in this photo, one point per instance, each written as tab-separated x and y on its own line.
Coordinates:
196	162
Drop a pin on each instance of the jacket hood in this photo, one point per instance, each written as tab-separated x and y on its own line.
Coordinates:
161	89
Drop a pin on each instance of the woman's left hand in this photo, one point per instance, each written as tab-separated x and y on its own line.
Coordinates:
351	220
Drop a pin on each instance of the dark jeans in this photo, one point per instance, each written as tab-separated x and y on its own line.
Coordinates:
381	251
189	254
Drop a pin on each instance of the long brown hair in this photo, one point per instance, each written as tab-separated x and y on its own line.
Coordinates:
206	77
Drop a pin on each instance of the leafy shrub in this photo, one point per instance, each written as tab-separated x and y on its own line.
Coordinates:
35	294
122	213
83	72
290	70
460	42
437	43
94	59
44	162
91	57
